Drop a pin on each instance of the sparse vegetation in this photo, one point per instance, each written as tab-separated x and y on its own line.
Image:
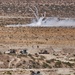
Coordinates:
45	65
8	73
36	38
58	64
48	61
31	56
69	64
41	57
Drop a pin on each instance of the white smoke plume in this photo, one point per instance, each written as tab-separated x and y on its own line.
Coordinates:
48	22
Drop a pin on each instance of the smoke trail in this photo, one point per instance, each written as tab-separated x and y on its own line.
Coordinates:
49	22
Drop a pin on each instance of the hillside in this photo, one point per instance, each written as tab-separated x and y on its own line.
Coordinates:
36	50
61	8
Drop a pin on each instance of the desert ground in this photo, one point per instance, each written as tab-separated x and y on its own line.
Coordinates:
36	50
47	48
42	72
37	35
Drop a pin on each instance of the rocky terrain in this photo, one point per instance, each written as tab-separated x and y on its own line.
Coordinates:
52	47
61	8
37	72
16	8
36	50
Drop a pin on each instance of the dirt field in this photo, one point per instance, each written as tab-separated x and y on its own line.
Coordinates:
20	37
54	36
42	72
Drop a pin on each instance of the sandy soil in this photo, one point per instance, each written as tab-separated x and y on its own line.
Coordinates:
20	37
63	71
